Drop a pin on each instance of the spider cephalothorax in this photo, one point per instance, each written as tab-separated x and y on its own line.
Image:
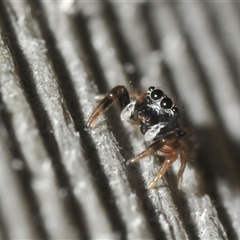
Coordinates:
157	117
155	112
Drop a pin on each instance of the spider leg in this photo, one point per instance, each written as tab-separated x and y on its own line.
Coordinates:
134	95
154	147
183	159
171	155
168	148
118	94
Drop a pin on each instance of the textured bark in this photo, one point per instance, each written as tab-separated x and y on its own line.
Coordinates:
59	180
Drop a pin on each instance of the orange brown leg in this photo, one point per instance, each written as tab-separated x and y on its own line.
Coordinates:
153	148
134	95
183	159
169	149
118	94
171	156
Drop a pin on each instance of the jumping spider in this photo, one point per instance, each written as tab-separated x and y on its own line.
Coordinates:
157	117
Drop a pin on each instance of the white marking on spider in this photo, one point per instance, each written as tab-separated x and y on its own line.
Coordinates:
127	112
152	132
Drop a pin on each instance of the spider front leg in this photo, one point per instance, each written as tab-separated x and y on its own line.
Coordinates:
118	94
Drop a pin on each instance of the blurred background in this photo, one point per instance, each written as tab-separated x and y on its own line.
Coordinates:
61	180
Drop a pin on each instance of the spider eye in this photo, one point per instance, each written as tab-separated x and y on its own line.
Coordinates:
151	88
166	103
156	94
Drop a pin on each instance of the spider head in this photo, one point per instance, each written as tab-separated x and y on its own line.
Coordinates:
158	100
158	113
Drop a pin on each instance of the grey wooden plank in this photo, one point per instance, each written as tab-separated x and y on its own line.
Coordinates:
20	224
64	53
34	157
106	146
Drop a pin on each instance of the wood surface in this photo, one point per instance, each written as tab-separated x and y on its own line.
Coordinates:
60	180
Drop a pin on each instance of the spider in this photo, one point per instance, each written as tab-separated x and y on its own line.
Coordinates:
157	117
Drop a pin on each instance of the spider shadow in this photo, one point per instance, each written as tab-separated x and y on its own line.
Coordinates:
218	160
